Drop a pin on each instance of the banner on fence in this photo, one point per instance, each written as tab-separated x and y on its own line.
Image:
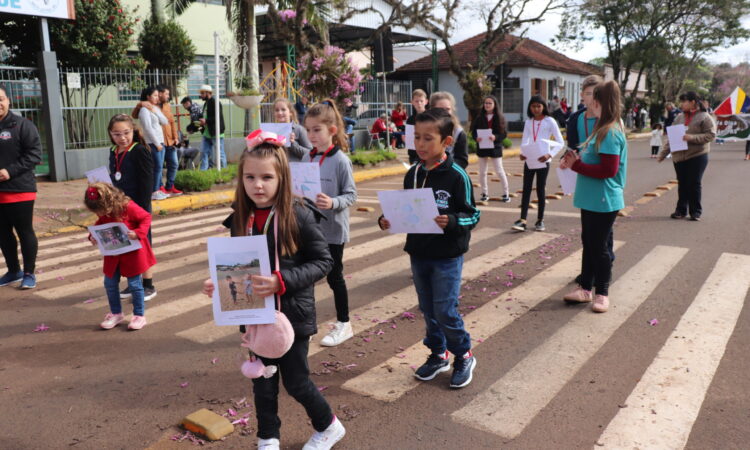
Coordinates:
733	117
60	9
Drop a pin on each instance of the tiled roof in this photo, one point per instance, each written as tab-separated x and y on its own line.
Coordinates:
529	54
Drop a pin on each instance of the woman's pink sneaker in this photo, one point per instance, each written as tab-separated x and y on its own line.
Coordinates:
111	320
601	304
136	323
580	295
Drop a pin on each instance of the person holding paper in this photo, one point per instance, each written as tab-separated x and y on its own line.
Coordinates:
538	127
20	152
459	148
265	206
111	205
690	164
418	103
491	119
299	144
437	259
601	168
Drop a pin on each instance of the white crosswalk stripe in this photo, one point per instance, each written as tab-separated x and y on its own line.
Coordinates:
508	209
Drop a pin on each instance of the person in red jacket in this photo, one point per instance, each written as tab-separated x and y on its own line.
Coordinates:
112	205
398	117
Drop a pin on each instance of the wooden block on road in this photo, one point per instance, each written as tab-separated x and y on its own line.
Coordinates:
665	187
546	202
513	195
479	202
494	179
475	184
531	206
473	172
643	200
652	194
520	191
554	197
625	212
559	193
517	174
673	182
365	208
208	424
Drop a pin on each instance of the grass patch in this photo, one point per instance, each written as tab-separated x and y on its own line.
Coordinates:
202	180
364	158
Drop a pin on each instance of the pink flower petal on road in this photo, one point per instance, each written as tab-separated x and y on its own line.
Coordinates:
214	360
322	388
408	315
471	307
653	322
91	300
347	276
402	356
519	261
350	366
231	412
413	367
184	385
508	283
393	326
41	327
480	340
60	278
366	339
242	422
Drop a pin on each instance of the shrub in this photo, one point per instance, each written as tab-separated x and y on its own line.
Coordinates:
473	145
195	180
363	158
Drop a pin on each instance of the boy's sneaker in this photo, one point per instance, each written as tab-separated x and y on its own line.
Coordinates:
433	366
341	332
9	278
29	281
111	320
484	198
268	444
601	304
539	225
136	323
463	369
163	190
125	293
173	192
580	295
326	439
520	225
505	199
149	293
159	195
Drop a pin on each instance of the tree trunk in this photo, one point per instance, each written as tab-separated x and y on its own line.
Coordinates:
157	11
252	116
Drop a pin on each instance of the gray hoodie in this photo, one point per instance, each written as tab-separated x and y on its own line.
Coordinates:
337	182
151	123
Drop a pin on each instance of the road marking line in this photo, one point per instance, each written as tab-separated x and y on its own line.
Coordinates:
509	209
511	403
208	332
175	308
676	382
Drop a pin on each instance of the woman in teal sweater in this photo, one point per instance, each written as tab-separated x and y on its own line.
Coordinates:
601	167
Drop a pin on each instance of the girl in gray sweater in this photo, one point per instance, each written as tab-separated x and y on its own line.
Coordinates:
298	144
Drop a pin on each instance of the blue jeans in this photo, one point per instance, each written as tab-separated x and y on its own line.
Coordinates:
158	157
438	282
170	157
112	286
349	130
207	153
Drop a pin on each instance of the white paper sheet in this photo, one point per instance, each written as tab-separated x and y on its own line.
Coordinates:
305	179
112	239
568	180
675	134
100	174
410	211
281	129
553	147
486	142
533	151
232	262
409	139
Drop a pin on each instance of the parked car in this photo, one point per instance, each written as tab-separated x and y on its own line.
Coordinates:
367	118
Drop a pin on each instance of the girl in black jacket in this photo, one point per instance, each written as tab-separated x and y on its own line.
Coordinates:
265	196
491	119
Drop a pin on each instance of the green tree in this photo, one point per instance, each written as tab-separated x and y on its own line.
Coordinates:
166	45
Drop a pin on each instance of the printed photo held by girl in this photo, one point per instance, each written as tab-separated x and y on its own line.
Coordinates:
459	148
299	144
131	169
325	128
111	205
491	119
602	168
538	126
264	205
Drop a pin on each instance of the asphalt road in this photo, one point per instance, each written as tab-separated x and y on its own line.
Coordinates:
665	368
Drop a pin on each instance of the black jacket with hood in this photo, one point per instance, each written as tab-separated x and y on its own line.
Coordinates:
20	152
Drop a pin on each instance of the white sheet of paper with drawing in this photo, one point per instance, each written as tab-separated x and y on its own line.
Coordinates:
533	151
112	239
567	180
486	142
305	179
281	129
100	174
553	146
410	211
410	137
675	133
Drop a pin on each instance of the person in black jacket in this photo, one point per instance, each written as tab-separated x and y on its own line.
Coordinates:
208	122
459	147
264	205
491	119
20	151
437	259
418	104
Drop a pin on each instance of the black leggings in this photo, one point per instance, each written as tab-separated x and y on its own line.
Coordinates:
541	183
596	229
18	216
747	148
690	188
654	150
337	283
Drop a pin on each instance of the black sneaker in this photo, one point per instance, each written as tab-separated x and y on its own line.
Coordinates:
149	293
675	215
695	218
463	369
539	226
484	198
125	293
505	199
520	225
433	366
579	279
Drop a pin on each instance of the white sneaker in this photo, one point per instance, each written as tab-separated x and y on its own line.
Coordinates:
268	444
341	332
159	195
326	439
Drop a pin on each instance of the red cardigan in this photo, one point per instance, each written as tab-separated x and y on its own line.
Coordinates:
398	117
136	262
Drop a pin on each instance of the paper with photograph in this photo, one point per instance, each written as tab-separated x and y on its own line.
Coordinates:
232	263
410	211
112	239
484	135
281	129
100	174
305	179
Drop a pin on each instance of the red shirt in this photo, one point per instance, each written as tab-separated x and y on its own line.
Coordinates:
16	197
378	126
398	117
136	262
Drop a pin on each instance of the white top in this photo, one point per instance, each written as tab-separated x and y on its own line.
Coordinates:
546	129
656	138
151	123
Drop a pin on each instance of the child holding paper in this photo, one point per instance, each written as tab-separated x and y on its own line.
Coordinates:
299	144
538	127
492	120
418	103
111	205
437	259
326	131
265	206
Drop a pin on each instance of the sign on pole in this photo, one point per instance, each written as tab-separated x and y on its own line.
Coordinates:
59	9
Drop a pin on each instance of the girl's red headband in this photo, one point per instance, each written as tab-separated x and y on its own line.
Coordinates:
258	137
92	193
